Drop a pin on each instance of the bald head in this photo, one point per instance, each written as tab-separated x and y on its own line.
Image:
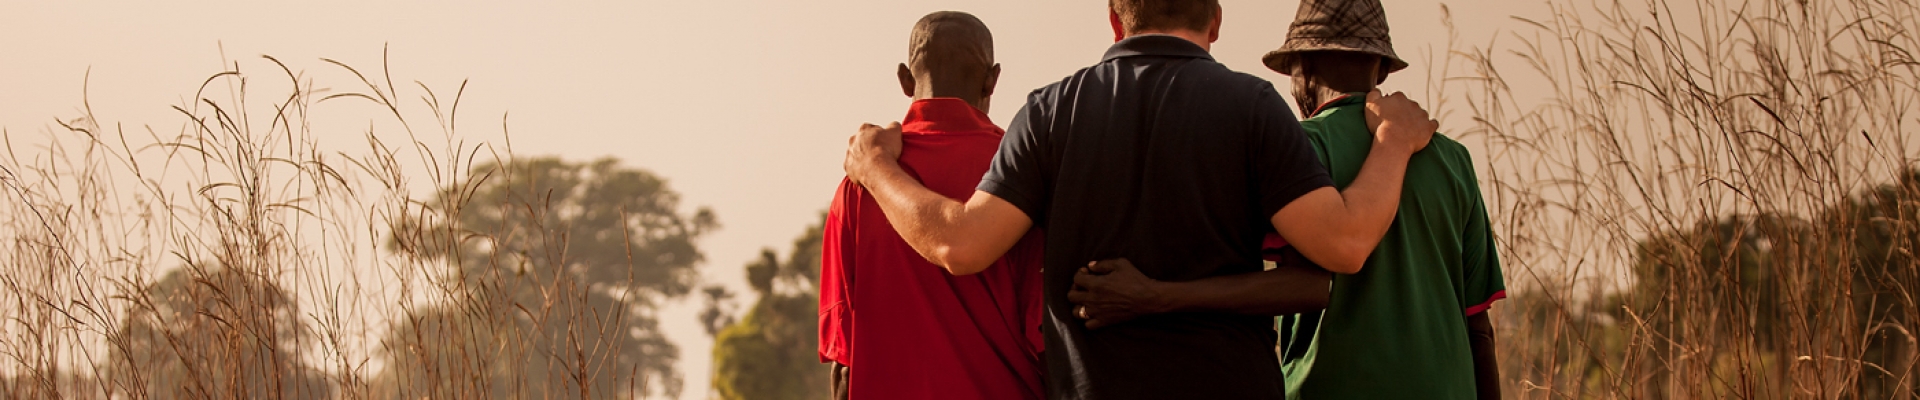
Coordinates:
950	54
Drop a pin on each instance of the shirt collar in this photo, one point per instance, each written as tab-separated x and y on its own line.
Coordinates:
945	114
1337	102
1155	45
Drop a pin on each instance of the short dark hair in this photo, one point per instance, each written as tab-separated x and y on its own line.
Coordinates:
950	44
1139	15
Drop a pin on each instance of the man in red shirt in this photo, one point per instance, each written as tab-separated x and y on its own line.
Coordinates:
893	325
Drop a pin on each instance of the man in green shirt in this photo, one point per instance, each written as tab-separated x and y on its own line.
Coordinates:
1412	323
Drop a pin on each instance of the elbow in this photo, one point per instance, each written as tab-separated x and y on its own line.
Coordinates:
1349	259
1343	268
957	262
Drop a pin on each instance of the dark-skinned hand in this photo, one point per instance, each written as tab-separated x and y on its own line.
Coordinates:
1113	291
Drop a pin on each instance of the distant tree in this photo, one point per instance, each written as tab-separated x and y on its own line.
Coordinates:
557	271
1882	230
1747	280
770	354
716	315
1725	272
212	333
1718	281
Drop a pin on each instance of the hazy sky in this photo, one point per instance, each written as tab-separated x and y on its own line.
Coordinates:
744	106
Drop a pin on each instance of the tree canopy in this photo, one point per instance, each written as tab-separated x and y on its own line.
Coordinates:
556	271
1765	282
213	333
770	353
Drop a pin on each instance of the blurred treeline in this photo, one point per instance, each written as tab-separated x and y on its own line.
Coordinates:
1712	199
1705	199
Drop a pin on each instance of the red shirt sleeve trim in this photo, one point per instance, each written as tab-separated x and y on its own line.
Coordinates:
1270	247
1483	306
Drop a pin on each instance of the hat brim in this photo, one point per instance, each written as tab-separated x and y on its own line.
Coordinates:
1282	60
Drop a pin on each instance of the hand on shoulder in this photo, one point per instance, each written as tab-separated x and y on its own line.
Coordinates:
873	147
1399	121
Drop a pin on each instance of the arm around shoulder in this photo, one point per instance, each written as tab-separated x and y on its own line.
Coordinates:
1338	229
975	234
964	238
1320	226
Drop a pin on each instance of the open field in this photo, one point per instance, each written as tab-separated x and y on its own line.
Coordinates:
1694	200
1715	199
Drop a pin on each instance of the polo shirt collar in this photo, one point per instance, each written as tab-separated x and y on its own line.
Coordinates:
1342	101
945	114
1155	45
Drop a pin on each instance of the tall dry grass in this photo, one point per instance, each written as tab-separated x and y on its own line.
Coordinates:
238	256
1695	200
1702	199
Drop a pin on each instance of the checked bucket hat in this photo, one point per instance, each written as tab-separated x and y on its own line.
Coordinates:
1336	25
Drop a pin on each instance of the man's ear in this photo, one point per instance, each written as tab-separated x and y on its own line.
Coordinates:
992	81
1213	32
1113	18
907	84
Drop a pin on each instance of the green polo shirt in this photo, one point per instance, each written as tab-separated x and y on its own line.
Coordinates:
1398	329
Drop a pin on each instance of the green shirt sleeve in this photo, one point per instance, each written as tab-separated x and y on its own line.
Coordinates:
1484	283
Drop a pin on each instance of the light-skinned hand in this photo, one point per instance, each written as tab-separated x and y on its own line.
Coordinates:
872	147
1399	121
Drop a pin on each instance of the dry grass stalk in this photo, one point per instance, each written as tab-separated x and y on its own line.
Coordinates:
1703	199
240	258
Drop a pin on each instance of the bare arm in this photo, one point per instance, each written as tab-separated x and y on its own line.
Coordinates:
1334	229
1486	364
964	238
837	377
1113	291
1285	290
1339	229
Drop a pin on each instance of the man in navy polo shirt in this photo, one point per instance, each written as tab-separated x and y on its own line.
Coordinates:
1160	155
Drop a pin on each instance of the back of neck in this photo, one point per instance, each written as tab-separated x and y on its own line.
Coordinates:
1319	96
974	100
1198	38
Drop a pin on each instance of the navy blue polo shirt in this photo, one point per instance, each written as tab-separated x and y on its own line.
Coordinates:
1165	157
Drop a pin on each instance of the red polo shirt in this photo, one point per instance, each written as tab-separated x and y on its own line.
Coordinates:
906	328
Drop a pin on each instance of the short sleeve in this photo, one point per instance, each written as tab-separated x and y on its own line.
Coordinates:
836	282
1484	283
1019	170
1285	165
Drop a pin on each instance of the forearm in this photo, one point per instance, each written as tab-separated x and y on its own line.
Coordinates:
1339	229
964	238
1486	366
1374	197
837	378
1280	291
